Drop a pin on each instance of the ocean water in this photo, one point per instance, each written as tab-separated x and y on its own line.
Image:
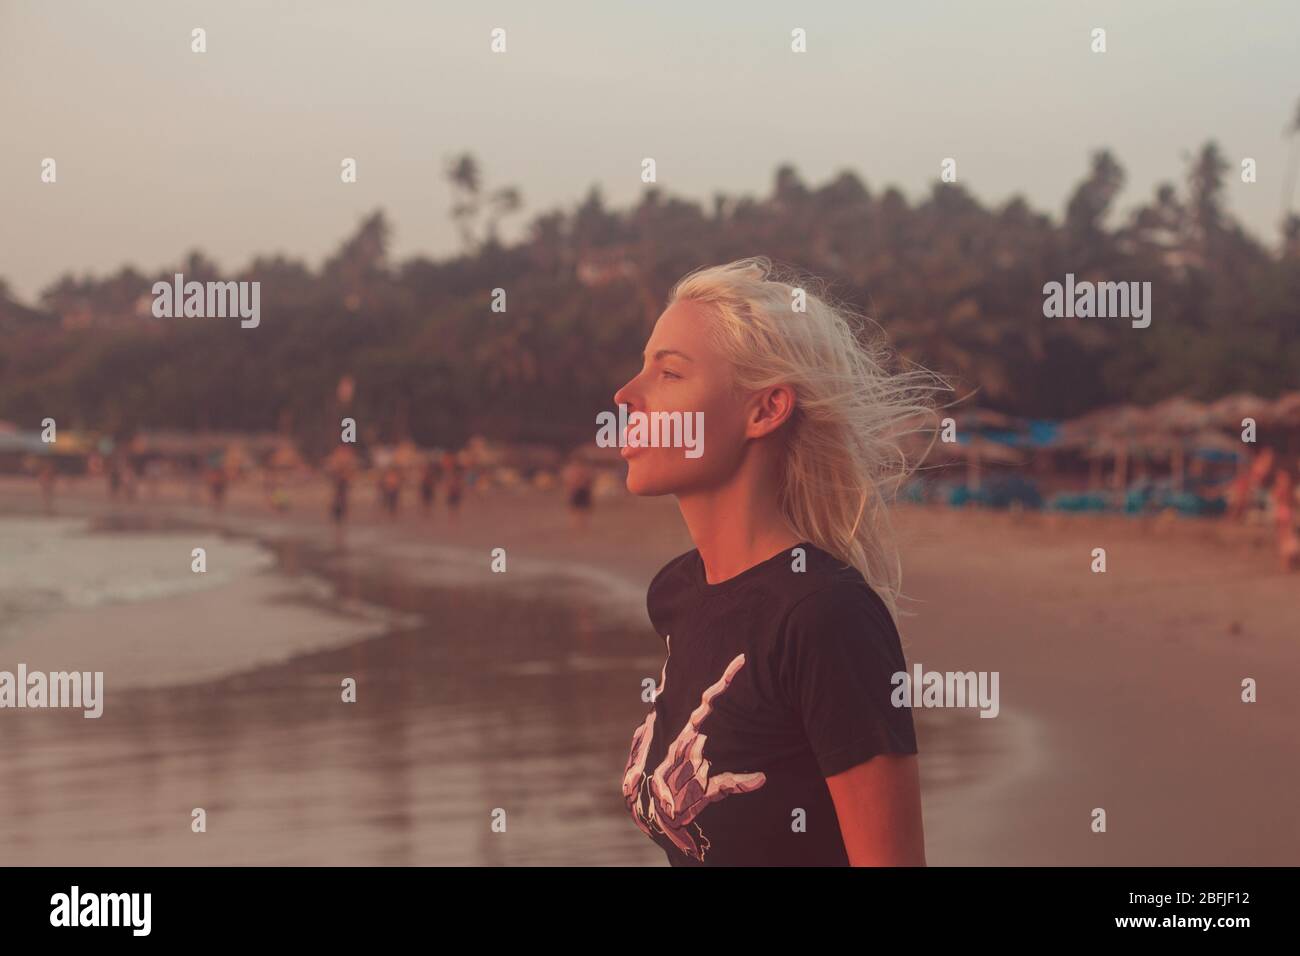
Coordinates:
51	564
468	706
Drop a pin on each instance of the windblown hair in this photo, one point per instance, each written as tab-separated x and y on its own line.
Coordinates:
858	409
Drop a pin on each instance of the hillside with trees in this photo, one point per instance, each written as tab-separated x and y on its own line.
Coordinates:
956	285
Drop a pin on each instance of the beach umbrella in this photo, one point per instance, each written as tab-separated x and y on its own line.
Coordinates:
1111	422
1286	411
1116	431
977	451
1109	432
986	437
1179	414
1228	411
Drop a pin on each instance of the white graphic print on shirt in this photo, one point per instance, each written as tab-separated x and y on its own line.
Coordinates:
669	800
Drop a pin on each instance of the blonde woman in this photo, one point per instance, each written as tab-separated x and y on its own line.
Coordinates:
772	739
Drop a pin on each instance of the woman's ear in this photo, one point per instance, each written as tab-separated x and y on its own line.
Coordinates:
770	409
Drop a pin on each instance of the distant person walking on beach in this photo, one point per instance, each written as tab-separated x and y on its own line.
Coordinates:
430	476
779	632
340	467
339	505
116	470
217	483
454	473
45	476
578	479
390	486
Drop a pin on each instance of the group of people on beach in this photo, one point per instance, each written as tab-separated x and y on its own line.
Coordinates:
445	475
448	473
1270	480
445	471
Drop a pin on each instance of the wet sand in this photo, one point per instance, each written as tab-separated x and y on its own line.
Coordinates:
520	691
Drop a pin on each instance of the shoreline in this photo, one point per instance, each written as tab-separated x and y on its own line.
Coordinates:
1120	687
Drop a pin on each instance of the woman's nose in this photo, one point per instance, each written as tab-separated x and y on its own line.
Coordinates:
624	395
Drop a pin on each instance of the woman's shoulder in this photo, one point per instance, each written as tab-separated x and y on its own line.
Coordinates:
836	597
673	579
676	568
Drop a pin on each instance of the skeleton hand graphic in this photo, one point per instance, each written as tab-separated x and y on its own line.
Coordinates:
681	786
634	773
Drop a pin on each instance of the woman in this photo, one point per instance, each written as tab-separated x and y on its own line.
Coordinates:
771	739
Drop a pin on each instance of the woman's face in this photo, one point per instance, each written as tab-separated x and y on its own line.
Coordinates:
682	372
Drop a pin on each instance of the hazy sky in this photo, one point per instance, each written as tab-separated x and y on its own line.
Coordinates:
236	151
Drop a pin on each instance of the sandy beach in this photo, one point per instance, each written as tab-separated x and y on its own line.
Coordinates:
482	691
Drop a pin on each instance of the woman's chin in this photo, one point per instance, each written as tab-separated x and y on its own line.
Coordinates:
639	488
645	485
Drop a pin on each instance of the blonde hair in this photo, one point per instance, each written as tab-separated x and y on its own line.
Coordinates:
856	408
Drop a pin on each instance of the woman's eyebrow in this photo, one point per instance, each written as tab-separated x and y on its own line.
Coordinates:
662	352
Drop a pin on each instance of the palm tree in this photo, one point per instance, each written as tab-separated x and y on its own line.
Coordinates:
1205	188
504	201
1092	199
466	180
1288	194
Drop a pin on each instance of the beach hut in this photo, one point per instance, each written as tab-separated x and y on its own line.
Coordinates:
1286	410
984	437
1171	425
1114	433
1229	411
977	452
1180	415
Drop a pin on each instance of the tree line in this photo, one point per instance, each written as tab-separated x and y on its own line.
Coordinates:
955	284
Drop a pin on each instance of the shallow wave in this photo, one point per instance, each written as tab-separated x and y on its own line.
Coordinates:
53	564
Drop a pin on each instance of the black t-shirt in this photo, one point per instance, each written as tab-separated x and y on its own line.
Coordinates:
774	680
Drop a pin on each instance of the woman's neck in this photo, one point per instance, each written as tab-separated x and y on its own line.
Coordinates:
736	526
